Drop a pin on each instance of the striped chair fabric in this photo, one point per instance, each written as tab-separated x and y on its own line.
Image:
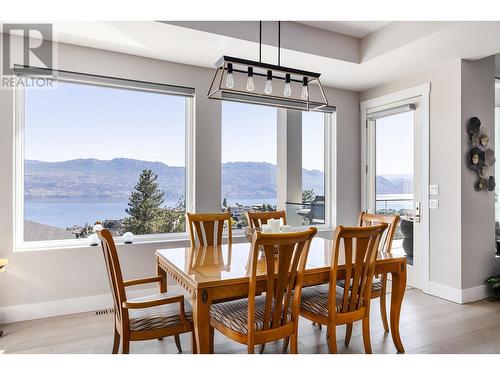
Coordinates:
315	299
234	314
157	317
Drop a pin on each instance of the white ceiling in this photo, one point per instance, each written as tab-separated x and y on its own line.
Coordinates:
392	52
357	29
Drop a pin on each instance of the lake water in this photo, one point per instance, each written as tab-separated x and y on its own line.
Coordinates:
67	214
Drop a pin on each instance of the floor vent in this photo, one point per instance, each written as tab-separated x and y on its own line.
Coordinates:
104	312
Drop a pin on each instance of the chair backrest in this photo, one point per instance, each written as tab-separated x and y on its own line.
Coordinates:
114	271
285	259
206	229
257	218
360	245
366	219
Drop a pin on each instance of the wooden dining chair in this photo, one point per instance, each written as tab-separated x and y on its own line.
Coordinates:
256	219
145	318
274	315
379	286
207	229
331	305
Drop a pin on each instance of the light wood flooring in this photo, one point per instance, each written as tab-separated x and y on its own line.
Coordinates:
428	325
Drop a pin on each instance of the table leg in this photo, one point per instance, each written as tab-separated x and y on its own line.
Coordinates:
398	291
161	272
201	320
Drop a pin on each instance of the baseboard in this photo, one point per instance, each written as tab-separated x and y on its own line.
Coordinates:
474	294
17	313
458	295
446	292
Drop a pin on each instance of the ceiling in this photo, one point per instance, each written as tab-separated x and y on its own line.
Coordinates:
391	52
357	29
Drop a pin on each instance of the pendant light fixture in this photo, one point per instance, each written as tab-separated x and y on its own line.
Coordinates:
250	83
267	84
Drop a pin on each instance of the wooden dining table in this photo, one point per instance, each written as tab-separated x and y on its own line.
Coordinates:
219	273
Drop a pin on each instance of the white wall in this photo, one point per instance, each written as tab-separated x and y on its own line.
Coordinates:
49	277
459	260
478	208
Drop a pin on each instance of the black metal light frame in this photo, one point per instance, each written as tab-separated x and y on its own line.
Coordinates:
219	91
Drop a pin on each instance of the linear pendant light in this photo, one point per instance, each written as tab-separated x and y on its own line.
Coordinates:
249	81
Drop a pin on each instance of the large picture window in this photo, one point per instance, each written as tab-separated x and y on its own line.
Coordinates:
249	158
101	153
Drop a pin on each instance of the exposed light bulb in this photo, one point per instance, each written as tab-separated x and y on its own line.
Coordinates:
288	89
250	83
229	76
305	91
269	83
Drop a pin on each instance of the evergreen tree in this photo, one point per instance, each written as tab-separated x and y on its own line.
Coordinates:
308	195
145	205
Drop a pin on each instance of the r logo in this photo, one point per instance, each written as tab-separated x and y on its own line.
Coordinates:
40	50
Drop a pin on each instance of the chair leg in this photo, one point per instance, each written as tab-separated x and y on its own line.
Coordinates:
262	347
251	349
211	339
116	342
366	335
294	344
383	308
332	339
125	343
194	349
178	343
286	341
348	333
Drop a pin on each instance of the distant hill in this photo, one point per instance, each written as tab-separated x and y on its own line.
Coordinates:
394	184
113	180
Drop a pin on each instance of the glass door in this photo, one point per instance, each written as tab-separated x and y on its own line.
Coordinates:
394	176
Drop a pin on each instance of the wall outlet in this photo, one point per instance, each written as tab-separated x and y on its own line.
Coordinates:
434	189
433	204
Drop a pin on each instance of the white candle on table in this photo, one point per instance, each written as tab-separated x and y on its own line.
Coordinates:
266	228
275	225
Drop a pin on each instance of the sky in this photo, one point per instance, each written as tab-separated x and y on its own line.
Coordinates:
129	124
249	133
394	144
147	126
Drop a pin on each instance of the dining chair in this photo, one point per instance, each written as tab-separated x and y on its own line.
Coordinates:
274	314
207	229
256	219
144	318
331	305
379	286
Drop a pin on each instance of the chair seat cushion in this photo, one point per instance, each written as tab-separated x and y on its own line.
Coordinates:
158	317
376	286
314	299
234	314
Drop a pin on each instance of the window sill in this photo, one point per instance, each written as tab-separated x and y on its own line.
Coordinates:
168	241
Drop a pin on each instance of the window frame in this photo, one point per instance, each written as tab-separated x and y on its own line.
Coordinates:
19	156
329	123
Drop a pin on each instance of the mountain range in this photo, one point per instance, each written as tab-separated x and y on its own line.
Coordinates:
112	180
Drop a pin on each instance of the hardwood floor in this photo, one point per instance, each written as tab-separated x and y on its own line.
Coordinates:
428	325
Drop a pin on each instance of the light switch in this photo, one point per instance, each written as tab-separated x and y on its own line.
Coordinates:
433	189
434	204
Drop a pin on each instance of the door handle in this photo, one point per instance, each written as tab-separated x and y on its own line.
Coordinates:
417	212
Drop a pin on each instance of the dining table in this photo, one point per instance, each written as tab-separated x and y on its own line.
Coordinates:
212	274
